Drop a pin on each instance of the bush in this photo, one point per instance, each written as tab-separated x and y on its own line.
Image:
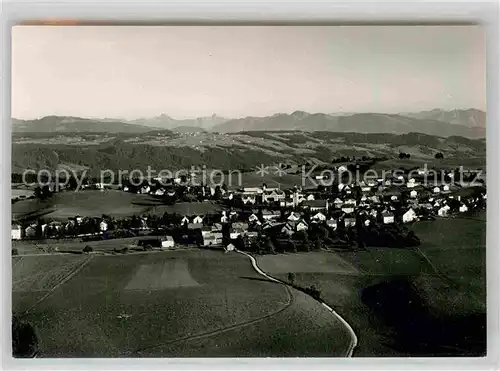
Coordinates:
88	249
15	252
24	339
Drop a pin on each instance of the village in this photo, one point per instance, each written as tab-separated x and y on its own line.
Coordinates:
270	219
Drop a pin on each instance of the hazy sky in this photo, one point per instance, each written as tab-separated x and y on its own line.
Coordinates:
186	71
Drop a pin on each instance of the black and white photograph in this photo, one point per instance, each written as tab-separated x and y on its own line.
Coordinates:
210	191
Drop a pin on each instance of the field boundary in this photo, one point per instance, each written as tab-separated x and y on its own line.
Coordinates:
354	338
63	281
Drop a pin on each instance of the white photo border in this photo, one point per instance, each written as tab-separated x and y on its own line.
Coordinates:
259	12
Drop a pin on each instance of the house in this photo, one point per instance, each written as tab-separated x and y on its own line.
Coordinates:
160	192
409	216
332	223
366	188
294	217
350	221
268	215
463	208
252	235
302	226
413	193
253	218
443	211
315	205
319	216
213	238
436	190
184	220
206	230
248	198
310	197
388	218
198	220
167	242
338	203
288	228
103	226
394	198
446	188
15	232
230	247
275	195
348	208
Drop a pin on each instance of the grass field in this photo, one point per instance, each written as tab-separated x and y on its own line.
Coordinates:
183	303
438	290
92	203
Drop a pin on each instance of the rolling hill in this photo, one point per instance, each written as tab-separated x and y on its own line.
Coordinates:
68	124
245	150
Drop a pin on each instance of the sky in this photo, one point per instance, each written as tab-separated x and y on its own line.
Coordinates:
236	71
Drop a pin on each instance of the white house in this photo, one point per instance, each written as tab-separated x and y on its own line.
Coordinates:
446	188
248	198
268	215
310	197
394	198
413	193
367	222
409	216
319	217
293	217
198	220
103	226
302	226
185	220
436	190
15	232
443	211
332	223
388	218
348	208
167	242
160	192
229	247
463	208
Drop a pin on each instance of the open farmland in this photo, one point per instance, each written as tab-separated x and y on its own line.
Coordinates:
148	304
403	302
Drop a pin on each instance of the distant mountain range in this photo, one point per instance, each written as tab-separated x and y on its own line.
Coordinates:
470	123
459	122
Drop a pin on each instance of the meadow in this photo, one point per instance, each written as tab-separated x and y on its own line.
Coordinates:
180	303
404	302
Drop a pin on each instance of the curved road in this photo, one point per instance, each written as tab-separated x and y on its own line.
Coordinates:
354	338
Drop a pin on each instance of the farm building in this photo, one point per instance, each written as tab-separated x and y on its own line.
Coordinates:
388	218
316	205
319	217
167	242
409	216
